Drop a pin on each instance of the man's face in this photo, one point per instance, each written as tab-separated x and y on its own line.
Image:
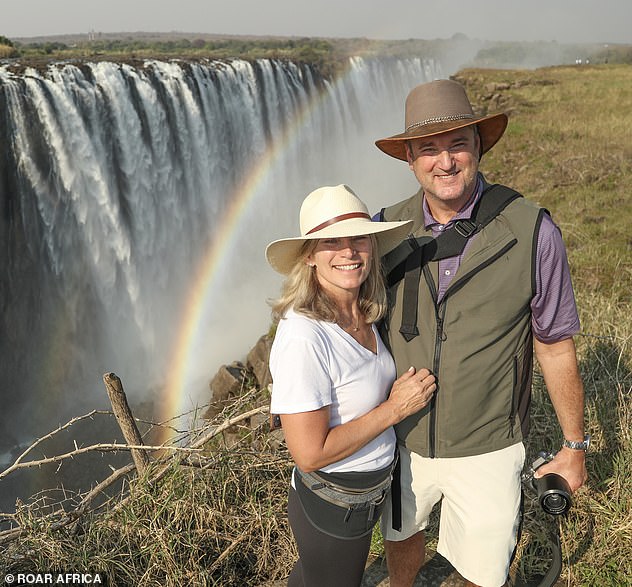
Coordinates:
445	166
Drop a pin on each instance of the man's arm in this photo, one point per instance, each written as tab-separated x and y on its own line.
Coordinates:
558	362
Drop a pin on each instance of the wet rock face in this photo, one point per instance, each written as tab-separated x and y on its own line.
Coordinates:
231	380
227	382
257	361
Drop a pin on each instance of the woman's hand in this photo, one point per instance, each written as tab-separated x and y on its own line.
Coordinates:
411	392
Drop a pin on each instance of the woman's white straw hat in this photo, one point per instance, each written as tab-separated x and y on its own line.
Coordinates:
333	212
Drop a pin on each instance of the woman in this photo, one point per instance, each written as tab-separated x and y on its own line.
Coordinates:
334	383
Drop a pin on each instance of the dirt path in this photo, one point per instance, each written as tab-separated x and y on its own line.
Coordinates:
437	572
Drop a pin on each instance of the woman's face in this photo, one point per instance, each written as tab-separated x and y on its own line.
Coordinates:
342	264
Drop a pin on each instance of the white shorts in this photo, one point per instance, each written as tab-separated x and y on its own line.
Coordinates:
480	509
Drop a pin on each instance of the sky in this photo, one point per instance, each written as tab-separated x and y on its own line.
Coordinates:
564	21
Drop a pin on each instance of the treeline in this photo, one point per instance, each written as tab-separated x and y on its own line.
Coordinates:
7	49
533	54
326	54
318	52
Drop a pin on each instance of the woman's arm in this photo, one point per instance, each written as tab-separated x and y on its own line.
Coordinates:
313	445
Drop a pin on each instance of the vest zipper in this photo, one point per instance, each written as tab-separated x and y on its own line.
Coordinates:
459	283
439	338
440	310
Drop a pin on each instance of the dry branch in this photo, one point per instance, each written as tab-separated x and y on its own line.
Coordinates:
134	445
226	553
126	421
215	430
72	516
227	424
95	491
51	434
101	447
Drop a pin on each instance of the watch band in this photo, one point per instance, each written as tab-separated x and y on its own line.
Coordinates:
577	445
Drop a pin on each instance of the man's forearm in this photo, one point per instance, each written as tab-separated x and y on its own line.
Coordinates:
558	362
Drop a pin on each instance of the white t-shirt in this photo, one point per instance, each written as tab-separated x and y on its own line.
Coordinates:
315	364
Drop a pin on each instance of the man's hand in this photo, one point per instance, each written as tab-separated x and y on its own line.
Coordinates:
570	464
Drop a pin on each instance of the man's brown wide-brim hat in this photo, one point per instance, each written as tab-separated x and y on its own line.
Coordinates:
437	107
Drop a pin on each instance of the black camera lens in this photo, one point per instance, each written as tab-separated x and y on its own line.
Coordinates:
554	493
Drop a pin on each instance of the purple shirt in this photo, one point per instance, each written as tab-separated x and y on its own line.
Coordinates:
553	310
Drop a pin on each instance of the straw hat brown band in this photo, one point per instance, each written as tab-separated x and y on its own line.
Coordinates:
437	107
338	219
333	212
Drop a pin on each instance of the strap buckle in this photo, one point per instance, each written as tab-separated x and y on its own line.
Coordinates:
466	228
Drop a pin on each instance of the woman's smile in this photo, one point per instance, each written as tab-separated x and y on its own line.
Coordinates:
342	264
352	267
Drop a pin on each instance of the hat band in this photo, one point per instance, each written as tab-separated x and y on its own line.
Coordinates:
338	219
438	119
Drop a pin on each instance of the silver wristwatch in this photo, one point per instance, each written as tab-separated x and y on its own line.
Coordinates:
576	445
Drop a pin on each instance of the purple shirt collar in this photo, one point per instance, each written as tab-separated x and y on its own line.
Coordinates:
463	213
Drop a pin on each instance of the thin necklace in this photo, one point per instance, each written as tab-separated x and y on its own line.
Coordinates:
355	328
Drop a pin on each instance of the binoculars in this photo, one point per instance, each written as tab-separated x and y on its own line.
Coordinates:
554	494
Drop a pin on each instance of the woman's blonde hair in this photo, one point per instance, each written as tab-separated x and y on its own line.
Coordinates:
301	290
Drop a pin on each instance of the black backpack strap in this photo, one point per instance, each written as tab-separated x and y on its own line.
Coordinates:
393	262
451	242
407	260
412	277
492	202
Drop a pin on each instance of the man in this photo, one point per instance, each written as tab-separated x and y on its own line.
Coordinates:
473	318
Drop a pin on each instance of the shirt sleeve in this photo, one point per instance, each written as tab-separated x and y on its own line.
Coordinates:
299	369
554	311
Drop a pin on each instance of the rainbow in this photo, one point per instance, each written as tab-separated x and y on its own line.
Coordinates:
174	395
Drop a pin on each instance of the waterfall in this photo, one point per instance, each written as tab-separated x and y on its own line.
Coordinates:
115	181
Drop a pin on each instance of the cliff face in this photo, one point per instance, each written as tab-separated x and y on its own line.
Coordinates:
233	379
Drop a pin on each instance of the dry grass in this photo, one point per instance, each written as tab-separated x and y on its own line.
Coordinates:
216	519
221	520
568	147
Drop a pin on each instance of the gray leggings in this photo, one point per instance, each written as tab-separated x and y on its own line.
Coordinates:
323	559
